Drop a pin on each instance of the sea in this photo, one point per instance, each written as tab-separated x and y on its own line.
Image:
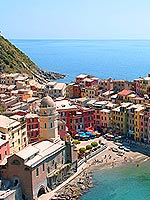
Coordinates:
118	59
127	182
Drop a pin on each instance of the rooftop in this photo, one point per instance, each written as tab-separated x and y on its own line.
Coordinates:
35	153
64	104
125	92
81	76
6	122
30	115
59	86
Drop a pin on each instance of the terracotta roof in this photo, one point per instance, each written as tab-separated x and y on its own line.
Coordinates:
125	92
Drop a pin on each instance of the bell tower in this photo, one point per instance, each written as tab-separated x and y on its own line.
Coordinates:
48	119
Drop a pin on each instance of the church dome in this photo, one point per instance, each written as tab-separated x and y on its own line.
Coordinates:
47	102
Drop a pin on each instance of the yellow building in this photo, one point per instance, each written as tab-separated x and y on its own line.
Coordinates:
13	129
137	113
145	85
91	92
119	118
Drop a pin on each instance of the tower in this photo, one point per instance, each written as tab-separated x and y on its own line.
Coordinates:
48	119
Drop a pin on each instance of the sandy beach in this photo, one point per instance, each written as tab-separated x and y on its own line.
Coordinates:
81	181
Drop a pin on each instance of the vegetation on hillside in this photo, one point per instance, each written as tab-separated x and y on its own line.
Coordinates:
12	58
15	61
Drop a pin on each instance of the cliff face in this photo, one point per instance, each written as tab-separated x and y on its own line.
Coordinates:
15	61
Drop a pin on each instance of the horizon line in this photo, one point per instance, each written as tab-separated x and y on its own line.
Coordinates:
77	39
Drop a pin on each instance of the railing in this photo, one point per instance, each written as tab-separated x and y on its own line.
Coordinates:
92	154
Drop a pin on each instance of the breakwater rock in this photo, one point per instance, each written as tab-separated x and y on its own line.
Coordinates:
75	188
51	75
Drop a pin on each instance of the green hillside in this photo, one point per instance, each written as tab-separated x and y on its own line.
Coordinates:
12	58
15	61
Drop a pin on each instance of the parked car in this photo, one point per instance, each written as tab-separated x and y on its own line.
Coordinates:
126	149
120	153
121	147
114	149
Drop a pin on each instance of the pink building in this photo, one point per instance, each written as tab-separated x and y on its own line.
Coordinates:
137	85
105	119
4	147
80	78
102	120
62	129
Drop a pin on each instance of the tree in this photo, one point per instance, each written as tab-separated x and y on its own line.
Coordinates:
76	142
94	144
88	147
82	150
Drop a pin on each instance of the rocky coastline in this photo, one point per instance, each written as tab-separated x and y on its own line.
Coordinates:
74	190
51	75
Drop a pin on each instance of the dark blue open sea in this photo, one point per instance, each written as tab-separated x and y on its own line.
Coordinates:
119	59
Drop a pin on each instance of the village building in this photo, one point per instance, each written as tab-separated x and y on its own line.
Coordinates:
4	146
40	167
15	131
33	127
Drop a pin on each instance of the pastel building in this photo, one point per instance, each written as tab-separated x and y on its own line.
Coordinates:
80	78
137	112
13	130
71	115
145	125
77	118
33	127
48	117
119	85
24	136
69	90
119	118
76	91
4	146
106	85
55	89
142	85
132	119
40	167
10	78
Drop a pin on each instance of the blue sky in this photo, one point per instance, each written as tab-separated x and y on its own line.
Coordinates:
75	19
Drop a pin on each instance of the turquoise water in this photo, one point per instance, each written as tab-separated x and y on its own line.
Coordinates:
121	183
119	59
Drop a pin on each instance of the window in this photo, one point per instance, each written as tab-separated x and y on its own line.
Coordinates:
48	170
37	171
43	167
31	120
51	125
45	125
